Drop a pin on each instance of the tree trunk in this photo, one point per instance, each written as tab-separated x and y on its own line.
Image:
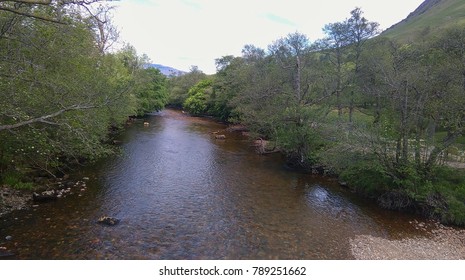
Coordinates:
351	107
298	80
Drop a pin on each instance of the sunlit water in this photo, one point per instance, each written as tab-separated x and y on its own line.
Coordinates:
182	194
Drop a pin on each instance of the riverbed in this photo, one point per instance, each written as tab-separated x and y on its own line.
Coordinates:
180	193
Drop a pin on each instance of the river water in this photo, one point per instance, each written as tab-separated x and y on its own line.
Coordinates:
181	194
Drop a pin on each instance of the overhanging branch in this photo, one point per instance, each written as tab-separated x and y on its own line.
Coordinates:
29	15
45	119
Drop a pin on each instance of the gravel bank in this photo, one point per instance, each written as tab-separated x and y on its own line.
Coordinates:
11	199
444	243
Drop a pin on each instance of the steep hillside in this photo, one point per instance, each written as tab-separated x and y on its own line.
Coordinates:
430	17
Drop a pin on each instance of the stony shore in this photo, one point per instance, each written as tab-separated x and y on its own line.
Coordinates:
442	243
11	199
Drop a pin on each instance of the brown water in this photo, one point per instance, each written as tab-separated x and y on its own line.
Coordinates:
181	194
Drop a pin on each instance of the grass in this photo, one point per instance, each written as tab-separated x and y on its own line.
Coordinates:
436	18
15	180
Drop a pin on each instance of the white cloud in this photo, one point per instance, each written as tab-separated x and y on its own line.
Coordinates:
181	33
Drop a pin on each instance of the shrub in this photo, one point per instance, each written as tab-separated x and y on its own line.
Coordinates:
366	177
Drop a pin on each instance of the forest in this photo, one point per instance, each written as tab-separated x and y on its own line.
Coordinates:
384	116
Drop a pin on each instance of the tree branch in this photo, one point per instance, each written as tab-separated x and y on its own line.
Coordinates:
83	3
44	119
30	15
30	2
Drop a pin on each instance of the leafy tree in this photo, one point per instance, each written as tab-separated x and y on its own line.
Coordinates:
178	87
335	48
59	93
360	31
291	52
151	92
198	96
226	85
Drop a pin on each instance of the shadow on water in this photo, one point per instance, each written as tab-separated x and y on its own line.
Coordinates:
182	194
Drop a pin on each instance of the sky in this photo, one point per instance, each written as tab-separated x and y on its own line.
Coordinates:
185	33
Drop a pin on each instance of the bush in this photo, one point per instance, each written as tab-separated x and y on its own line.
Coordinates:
455	213
366	177
450	185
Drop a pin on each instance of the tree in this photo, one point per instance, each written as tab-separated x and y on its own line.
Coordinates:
178	87
292	52
360	31
198	97
17	13
228	83
150	90
59	94
34	9
343	45
335	47
106	34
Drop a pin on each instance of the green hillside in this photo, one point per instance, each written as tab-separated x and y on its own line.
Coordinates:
429	18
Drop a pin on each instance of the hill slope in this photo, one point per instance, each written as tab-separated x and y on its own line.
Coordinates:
167	71
430	17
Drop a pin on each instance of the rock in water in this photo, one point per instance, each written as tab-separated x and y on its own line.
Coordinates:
109	221
5	254
44	197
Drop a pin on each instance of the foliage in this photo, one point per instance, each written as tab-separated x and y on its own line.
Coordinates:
16	180
366	177
60	92
151	94
198	95
449	184
178	87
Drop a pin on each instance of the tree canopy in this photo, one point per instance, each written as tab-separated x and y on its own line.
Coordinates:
60	90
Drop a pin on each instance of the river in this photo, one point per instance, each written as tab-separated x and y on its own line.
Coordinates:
181	194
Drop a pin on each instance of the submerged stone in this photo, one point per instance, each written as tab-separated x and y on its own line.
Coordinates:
109	221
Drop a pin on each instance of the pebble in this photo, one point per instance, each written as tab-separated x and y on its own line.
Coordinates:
444	244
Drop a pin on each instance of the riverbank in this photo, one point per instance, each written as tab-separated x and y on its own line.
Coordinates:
442	243
12	199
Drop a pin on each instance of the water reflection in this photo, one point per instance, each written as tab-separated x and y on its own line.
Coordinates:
181	194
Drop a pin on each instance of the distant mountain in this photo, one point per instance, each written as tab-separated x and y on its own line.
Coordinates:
430	17
167	71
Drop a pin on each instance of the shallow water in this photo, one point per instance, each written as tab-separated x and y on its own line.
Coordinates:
181	194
